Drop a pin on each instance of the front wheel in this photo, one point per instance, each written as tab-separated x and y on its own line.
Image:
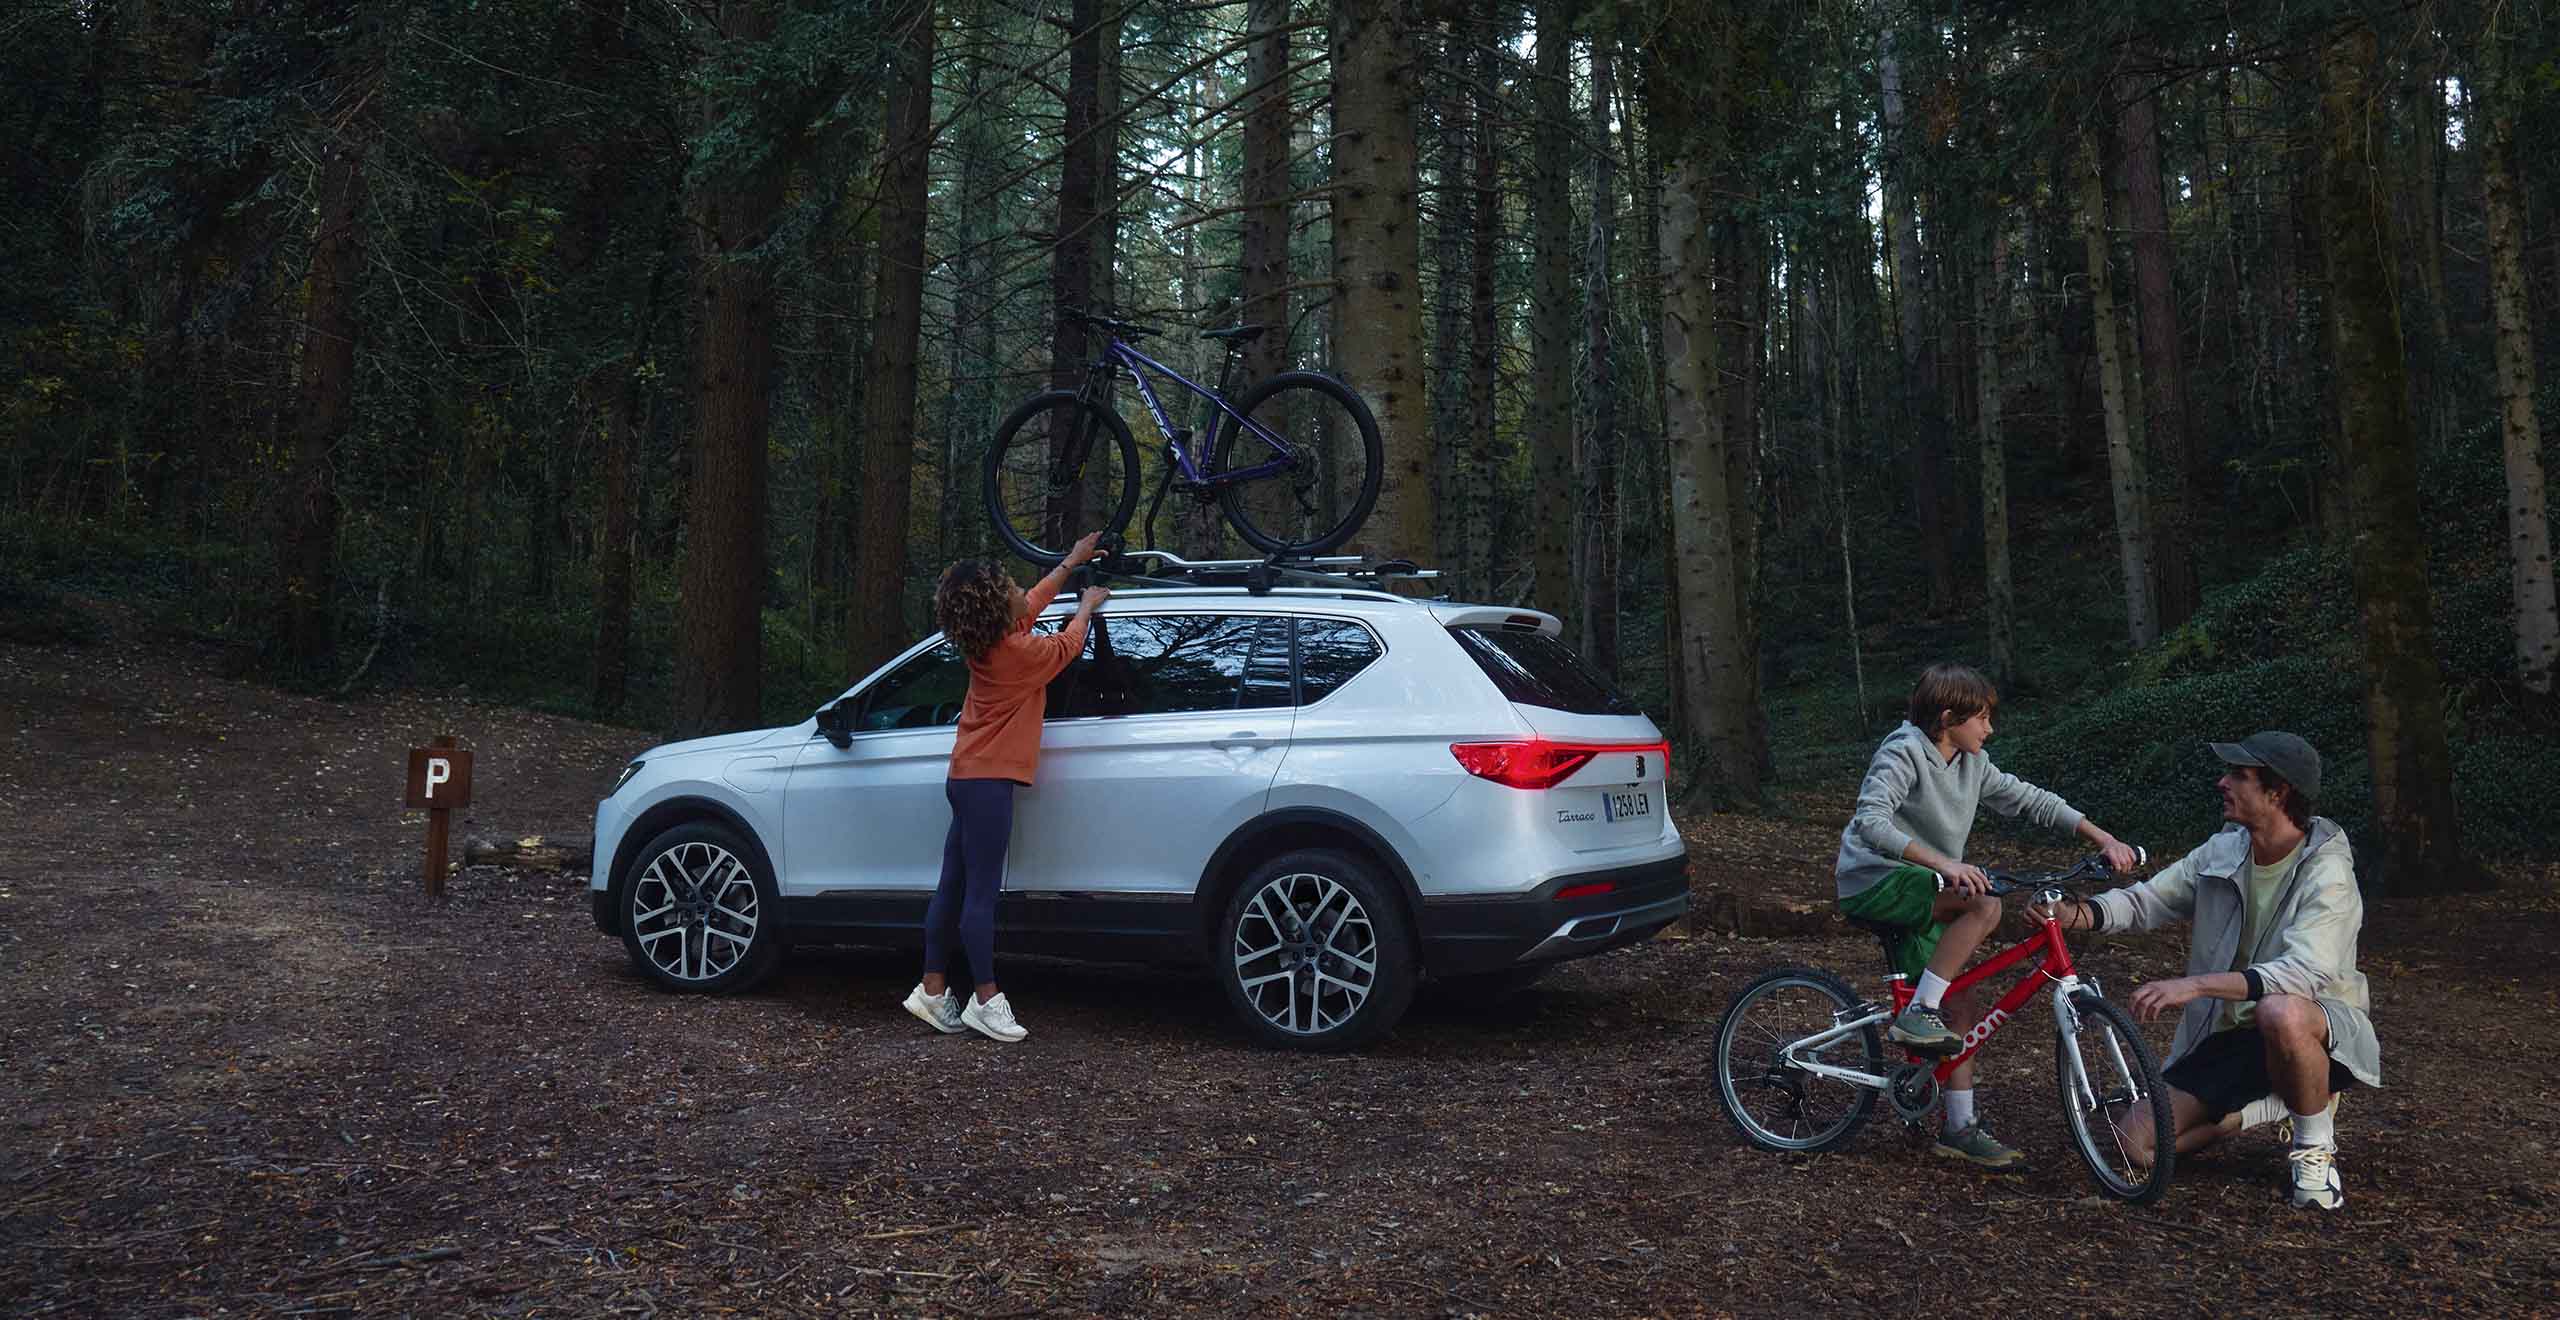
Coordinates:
2108	1080
1314	953
1300	473
1773	1100
1060	466
699	913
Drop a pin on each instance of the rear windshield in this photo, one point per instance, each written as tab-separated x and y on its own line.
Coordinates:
1534	669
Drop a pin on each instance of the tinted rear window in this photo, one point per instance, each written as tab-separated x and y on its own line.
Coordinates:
1534	669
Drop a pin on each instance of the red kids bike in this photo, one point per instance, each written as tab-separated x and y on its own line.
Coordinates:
1800	1058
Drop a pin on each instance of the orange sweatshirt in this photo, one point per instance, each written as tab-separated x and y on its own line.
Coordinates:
999	735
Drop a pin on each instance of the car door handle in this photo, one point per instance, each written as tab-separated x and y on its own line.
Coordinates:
1240	738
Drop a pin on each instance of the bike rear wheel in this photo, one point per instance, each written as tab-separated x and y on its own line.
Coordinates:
1774	1103
2105	1070
1325	480
1060	466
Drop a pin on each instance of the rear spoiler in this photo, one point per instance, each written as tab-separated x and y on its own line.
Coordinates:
1497	616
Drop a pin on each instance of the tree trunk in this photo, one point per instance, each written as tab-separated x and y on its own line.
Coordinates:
324	405
2124	458
2164	391
1596	511
2528	518
1689	140
876	625
1549	423
1484	346
1924	422
1071	281
1266	187
1377	263
719	637
1452	410
2416	836
621	447
1990	301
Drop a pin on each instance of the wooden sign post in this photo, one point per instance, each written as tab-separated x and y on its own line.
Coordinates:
440	781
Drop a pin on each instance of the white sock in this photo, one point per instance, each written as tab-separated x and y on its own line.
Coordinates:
1933	990
2319	1128
1959	1110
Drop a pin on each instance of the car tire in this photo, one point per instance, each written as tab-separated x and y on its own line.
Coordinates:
699	911
1314	952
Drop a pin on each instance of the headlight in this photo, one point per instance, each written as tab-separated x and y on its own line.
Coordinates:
625	777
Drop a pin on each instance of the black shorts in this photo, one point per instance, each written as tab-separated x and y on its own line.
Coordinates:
2228	1069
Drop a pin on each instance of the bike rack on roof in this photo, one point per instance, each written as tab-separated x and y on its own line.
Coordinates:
1259	576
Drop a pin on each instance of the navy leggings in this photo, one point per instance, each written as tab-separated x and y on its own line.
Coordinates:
964	904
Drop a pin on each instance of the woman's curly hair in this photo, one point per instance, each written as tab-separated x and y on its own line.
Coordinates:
974	604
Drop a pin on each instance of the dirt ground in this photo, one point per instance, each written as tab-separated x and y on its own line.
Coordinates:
250	1071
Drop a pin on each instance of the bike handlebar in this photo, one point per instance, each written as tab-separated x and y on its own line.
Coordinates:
2088	870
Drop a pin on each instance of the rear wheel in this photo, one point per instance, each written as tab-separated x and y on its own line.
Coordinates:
1059	467
2106	1072
1314	953
1324	470
1774	1102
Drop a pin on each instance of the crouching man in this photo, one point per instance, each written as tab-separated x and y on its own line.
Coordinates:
2274	1014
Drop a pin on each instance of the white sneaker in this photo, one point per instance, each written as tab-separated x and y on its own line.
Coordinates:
2315	1177
940	1012
993	1019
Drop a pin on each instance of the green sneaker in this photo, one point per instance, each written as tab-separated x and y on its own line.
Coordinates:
1979	1147
1925	1030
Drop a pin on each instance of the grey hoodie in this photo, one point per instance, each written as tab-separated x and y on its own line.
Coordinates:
1910	793
2308	947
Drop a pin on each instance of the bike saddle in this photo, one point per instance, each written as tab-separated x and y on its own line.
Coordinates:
1236	334
1887	934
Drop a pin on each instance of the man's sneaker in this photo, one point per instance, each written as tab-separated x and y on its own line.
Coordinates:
2315	1177
940	1012
1925	1030
1979	1147
993	1019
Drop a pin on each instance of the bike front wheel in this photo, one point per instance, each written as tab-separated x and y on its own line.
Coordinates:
1060	466
1773	1100
1299	474
2110	1082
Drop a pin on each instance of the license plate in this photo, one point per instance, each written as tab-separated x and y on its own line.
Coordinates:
1625	804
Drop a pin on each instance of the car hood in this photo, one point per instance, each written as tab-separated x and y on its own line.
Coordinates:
720	742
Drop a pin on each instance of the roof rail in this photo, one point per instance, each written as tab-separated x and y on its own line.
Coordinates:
1259	576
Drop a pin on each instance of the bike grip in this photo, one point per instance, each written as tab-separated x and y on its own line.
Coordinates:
2141	857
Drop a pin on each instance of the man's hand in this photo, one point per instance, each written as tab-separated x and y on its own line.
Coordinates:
2158	997
1967	879
2073	913
2120	856
1087	547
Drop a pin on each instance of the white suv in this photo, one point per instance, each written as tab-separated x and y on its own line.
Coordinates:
1325	794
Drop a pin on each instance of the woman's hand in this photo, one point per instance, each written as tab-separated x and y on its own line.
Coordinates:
1092	599
1087	547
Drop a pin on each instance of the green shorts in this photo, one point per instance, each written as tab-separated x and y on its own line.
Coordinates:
1903	898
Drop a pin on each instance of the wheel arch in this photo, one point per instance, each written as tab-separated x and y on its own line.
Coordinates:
663	816
1296	827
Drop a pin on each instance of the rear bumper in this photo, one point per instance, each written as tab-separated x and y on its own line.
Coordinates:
1461	936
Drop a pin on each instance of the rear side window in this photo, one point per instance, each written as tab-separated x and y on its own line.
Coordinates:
1534	669
1138	664
1330	651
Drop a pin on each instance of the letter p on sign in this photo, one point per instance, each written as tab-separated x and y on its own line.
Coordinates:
439	777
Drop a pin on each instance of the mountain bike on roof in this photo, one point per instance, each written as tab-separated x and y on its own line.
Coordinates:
1293	461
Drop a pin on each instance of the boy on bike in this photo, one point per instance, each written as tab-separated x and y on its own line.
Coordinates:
1915	811
2272	1006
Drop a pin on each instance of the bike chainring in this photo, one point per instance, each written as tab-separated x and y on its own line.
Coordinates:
1913	1088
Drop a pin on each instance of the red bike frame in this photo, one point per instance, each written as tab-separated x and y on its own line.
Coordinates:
2055	965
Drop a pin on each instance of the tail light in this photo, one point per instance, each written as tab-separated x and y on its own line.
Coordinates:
1536	763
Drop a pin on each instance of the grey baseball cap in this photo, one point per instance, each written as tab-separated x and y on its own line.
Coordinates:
2289	755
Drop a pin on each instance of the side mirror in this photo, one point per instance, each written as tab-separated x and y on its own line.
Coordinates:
835	723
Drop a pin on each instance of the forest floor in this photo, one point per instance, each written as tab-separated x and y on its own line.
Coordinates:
250	1070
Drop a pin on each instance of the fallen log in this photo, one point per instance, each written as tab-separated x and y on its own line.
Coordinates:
533	852
1760	915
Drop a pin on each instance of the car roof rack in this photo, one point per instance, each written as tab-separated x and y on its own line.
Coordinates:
1163	568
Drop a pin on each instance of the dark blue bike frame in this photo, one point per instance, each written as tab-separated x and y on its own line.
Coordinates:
1134	361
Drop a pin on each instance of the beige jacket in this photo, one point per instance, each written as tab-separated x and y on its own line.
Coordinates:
2307	949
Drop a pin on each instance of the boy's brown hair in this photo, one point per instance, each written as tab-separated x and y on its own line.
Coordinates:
974	605
1948	687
